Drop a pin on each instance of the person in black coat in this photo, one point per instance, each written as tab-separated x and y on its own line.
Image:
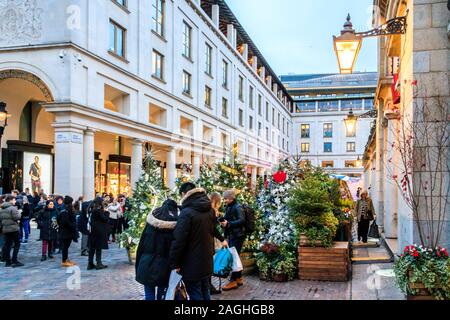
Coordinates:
82	227
98	236
67	231
192	250
234	226
152	257
46	221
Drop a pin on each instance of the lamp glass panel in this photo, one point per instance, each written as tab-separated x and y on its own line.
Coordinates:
346	52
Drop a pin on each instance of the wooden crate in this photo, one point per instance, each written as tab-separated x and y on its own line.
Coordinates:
328	264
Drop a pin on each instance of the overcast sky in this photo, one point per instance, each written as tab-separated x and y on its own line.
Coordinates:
295	36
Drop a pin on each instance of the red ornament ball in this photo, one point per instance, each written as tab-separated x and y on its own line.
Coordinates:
280	177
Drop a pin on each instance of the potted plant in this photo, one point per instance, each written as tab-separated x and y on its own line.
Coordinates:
264	267
424	273
284	267
311	204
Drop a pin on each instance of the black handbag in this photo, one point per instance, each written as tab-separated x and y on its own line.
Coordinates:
374	232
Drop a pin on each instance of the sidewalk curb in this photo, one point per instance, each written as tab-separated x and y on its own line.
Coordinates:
388	248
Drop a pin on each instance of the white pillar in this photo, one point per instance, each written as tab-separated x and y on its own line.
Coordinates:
269	81
391	193
68	160
88	165
215	14
255	63
262	73
136	161
171	167
196	165
380	163
245	51
254	176
231	35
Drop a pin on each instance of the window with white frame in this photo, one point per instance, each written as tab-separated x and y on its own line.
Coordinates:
187	83
208	93
250	97
241	117
158	65
187	40
224	108
208	59
116	39
351	146
225	74
158	17
241	88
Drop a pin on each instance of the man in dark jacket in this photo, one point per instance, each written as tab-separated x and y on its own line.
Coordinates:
192	250
234	225
9	220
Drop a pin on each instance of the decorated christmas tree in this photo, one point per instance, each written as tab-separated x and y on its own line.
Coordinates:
148	193
278	236
207	178
231	173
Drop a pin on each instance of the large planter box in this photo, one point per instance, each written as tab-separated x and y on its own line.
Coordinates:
423	292
327	264
304	242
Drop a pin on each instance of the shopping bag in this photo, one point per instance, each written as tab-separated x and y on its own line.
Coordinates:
174	282
374	232
237	263
181	292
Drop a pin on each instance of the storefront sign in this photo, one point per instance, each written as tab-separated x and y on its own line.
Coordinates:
77	138
62	137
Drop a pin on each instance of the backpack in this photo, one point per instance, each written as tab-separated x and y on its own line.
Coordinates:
249	219
223	263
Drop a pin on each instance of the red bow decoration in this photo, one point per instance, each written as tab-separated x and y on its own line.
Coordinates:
280	177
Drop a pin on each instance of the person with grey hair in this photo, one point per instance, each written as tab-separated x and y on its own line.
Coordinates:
234	226
365	213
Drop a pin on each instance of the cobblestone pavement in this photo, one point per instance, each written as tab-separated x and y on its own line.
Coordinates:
49	281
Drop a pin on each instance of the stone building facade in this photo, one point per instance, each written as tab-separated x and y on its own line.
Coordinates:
89	83
420	58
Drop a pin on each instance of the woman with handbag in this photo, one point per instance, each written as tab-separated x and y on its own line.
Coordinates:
365	213
152	257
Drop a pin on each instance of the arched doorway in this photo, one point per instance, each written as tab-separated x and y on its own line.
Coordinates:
29	133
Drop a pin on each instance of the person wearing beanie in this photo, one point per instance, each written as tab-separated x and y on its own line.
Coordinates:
152	257
47	225
67	230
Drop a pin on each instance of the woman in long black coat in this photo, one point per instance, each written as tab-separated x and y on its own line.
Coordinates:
152	257
67	230
99	233
46	220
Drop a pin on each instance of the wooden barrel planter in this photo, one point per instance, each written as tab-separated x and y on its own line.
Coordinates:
248	262
326	264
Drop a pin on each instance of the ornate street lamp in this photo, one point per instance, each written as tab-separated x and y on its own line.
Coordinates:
348	44
347	47
350	123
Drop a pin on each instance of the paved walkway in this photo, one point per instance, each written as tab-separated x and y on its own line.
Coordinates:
48	281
